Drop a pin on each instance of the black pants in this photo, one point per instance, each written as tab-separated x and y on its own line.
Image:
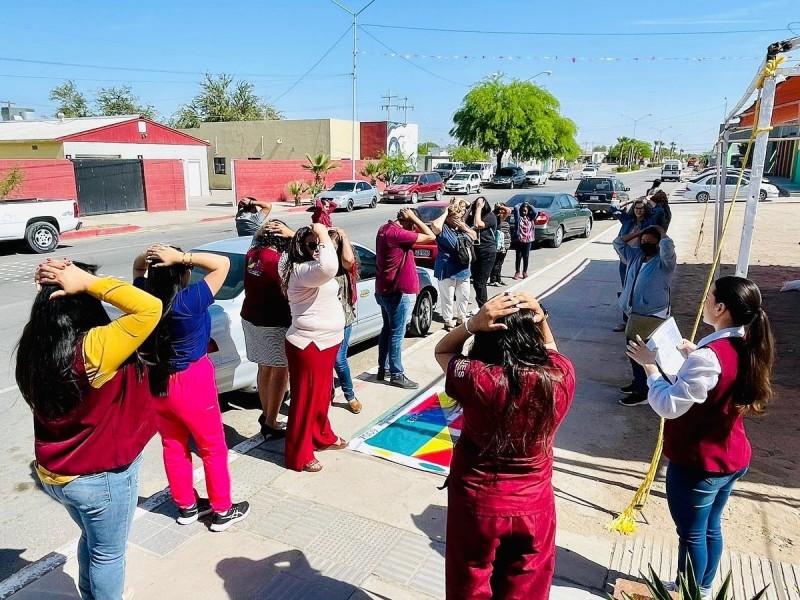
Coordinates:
481	269
523	250
496	276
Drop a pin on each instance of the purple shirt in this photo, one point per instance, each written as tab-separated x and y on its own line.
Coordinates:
397	271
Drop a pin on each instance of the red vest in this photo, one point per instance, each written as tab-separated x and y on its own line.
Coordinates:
107	430
711	437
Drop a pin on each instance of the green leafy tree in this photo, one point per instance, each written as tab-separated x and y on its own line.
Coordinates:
391	166
320	165
11	181
426	147
121	100
517	117
222	99
467	154
371	170
600	149
621	151
71	102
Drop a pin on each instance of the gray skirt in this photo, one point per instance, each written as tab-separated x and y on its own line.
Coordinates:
265	345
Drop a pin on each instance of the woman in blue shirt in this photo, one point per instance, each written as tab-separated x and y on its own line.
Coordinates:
449	269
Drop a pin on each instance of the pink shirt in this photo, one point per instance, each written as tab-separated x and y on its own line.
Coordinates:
397	271
313	294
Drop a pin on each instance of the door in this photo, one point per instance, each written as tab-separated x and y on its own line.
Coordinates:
368	321
363	195
194	178
109	185
567	214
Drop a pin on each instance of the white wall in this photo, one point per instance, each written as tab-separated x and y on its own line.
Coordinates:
183	153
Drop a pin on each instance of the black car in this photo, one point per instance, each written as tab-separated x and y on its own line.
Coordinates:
509	177
599	194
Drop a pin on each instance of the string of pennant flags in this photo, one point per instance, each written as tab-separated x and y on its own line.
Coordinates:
560	57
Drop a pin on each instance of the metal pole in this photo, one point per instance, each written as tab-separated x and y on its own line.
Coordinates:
759	155
719	205
355	64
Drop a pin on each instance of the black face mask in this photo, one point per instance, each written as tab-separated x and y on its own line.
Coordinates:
649	248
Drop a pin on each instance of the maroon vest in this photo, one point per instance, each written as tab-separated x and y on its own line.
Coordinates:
107	430
711	437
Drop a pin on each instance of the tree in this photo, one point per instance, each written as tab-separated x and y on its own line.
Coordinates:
11	181
391	166
467	154
222	99
517	117
371	171
426	147
600	149
621	151
121	100
296	189
71	102
319	165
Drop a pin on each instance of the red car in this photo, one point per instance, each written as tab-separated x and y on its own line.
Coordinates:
412	187
425	254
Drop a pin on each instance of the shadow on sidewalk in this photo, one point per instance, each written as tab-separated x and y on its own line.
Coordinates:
284	575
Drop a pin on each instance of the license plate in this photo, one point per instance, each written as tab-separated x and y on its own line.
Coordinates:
422	253
594	197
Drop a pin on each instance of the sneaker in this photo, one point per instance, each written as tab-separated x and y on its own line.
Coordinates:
634	399
706	594
189	515
273	433
404	382
234	514
381	375
628	389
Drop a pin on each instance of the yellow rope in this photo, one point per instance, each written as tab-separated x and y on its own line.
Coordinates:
625	523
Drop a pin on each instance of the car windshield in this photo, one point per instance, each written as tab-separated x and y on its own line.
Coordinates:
473	167
532	173
534	201
234	282
406	180
461	176
342	186
595	184
505	172
445	166
429	213
589	169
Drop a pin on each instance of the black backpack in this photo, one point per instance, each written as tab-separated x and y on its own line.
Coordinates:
464	249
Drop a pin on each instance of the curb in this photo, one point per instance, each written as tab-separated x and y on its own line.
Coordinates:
97	231
211	219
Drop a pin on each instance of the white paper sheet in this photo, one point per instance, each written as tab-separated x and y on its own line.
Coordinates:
666	338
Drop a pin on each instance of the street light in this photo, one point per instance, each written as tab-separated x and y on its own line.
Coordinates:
355	57
535	76
660	142
635	121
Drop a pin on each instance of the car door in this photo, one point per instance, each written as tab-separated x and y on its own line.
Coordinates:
710	186
565	212
368	321
730	187
362	195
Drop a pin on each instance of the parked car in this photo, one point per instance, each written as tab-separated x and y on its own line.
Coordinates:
558	216
535	177
706	189
447	169
509	177
484	169
463	183
562	174
588	172
599	194
350	194
672	169
411	187
38	221
425	254
226	348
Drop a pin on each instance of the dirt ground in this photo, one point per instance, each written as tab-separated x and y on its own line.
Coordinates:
763	516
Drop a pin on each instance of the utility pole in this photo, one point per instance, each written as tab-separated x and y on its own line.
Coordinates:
388	106
405	107
633	142
9	104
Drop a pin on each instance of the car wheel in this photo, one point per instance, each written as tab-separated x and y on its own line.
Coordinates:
587	230
350	205
41	237
438	195
414	198
703	197
558	237
762	195
374	202
478	191
422	317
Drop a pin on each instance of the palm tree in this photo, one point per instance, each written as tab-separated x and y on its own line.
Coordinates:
319	166
371	170
672	146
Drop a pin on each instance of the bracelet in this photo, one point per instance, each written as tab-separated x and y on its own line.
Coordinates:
466	327
191	259
183	259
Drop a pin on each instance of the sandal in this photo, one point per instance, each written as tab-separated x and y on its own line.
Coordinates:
313	467
339	444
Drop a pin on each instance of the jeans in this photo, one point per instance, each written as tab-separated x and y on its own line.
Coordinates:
396	310
453	299
342	367
523	251
102	505
481	269
639	378
496	276
696	500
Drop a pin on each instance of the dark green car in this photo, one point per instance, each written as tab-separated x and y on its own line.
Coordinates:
558	216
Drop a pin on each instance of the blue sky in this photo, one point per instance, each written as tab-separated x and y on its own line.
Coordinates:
166	46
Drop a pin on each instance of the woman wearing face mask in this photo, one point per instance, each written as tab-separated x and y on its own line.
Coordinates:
312	343
725	376
523	235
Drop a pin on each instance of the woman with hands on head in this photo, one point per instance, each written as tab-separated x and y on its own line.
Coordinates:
482	220
515	389
92	410
182	379
725	376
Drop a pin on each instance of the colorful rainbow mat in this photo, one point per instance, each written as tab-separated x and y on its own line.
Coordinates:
420	434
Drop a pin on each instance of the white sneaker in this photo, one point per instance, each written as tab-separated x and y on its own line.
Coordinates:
706	594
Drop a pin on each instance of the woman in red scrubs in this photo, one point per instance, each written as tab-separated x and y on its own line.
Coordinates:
515	389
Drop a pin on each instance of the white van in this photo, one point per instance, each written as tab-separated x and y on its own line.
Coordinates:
484	169
672	169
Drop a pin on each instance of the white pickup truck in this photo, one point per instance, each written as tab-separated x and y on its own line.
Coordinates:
38	221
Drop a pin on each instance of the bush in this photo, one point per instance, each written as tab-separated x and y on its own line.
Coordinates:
621	169
634	167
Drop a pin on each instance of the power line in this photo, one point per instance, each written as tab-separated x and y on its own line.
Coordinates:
571	33
276	80
314	66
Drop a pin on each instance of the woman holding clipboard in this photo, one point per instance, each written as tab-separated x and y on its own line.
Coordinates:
725	376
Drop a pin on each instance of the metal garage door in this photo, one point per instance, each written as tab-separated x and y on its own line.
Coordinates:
109	185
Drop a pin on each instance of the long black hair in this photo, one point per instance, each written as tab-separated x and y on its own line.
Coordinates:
157	351
528	415
485	210
742	298
45	370
297	253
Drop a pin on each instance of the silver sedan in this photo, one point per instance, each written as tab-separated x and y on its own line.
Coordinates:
350	194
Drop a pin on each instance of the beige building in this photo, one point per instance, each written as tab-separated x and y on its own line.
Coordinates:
272	140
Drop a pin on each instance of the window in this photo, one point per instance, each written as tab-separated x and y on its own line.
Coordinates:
563	202
367	266
710	181
733	180
573	202
362	187
219	165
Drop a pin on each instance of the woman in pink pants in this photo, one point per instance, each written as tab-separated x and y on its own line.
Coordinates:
181	377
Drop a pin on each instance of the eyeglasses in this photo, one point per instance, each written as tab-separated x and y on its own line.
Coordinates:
312	245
